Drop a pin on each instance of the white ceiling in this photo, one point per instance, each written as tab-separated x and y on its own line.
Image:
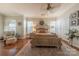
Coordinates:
32	9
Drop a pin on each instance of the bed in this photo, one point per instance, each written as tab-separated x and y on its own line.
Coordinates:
45	39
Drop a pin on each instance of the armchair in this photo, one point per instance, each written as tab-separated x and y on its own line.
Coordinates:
9	38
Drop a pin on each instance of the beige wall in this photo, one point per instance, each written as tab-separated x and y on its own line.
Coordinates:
1	25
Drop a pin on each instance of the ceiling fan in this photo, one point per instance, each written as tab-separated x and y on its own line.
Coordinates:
49	6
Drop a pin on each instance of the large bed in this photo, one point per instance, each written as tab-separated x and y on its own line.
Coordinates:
45	39
42	37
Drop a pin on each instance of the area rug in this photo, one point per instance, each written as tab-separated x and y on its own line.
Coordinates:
41	51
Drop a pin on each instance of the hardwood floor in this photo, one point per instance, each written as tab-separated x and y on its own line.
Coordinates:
77	48
23	48
11	50
69	51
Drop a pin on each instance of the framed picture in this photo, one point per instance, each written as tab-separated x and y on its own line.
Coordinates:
78	13
19	23
78	18
77	22
74	21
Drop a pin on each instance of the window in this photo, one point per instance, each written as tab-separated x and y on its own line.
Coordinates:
29	26
10	25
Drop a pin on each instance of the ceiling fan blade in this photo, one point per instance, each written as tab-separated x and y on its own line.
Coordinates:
48	6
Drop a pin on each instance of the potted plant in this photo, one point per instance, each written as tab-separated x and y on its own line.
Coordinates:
71	35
